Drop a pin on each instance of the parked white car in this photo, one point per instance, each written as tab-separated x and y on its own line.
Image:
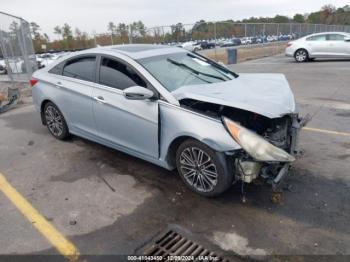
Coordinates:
320	45
246	41
271	38
46	59
191	46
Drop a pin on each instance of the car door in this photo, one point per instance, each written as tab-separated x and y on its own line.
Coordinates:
73	82
130	124
337	45
317	45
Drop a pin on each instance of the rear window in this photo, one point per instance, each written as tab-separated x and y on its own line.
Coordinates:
336	37
57	70
81	68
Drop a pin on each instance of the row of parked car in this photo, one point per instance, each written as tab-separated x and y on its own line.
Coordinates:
17	64
234	41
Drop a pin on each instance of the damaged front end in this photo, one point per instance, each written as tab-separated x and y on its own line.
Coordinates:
268	145
268	151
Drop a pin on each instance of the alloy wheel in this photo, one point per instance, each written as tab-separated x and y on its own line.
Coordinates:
301	55
198	169
54	120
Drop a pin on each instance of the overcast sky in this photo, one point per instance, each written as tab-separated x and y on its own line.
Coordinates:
94	15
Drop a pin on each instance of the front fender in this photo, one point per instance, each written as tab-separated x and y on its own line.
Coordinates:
178	122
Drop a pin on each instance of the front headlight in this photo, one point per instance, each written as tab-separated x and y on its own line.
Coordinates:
255	145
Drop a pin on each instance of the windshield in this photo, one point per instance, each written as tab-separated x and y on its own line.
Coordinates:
180	69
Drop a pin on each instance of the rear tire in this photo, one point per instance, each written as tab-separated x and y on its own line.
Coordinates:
55	122
202	169
301	55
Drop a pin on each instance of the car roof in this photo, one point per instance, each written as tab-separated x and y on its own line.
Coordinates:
139	51
134	51
323	33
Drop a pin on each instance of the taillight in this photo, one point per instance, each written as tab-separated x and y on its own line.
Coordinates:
33	81
289	44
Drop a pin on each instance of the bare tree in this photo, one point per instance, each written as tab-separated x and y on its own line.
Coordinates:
57	30
112	28
34	29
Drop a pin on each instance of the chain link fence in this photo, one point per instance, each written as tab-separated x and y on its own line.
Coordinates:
218	36
17	56
218	31
213	38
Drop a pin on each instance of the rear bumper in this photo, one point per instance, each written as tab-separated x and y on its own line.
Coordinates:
289	53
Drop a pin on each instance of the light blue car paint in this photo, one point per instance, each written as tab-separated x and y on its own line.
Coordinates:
147	128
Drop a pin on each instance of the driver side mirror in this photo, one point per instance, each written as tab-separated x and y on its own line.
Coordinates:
137	93
347	39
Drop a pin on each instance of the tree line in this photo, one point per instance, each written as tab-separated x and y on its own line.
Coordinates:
75	39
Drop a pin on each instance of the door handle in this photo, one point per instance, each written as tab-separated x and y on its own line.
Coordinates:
100	99
59	84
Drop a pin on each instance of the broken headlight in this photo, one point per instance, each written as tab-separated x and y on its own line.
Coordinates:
256	146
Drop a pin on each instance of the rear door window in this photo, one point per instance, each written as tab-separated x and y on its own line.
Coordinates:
118	75
317	38
81	68
335	37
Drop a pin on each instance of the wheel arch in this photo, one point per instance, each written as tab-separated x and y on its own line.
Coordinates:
223	162
176	142
173	146
301	48
42	106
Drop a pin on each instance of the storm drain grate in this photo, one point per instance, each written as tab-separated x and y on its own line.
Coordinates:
174	244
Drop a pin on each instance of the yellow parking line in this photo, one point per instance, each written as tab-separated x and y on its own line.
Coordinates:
326	131
62	244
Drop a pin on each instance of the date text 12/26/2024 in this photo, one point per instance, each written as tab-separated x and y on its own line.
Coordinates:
172	258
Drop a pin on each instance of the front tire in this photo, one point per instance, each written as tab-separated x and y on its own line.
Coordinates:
55	121
301	55
202	169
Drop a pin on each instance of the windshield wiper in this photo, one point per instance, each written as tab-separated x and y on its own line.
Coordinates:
213	63
194	70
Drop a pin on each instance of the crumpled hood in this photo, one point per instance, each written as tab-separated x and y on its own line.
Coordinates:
264	94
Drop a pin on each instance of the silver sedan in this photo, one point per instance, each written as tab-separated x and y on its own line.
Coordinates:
176	109
320	45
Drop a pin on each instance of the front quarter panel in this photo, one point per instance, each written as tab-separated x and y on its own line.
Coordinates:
178	122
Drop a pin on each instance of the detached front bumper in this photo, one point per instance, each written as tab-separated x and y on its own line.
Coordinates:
297	125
